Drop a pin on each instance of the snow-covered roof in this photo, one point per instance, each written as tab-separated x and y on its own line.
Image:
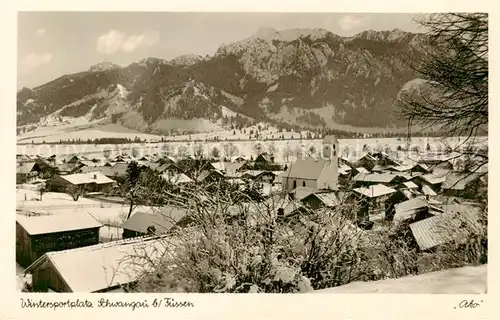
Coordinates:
428	191
302	192
408	167
375	177
89	163
177	178
410	185
162	221
85	178
407	209
309	169
362	170
105	265
25	167
443	228
459	181
45	224
433	179
329	199
375	190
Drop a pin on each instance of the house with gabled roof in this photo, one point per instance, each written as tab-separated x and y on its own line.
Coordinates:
208	176
367	161
321	199
434	181
177	178
384	159
264	159
26	170
76	158
357	170
410	168
168	167
90	182
372	200
264	176
72	167
369	179
414	209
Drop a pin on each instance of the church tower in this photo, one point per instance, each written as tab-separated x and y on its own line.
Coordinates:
330	155
330	148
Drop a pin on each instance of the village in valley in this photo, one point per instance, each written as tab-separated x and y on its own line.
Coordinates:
295	160
78	218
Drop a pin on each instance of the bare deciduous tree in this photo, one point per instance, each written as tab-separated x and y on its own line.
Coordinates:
107	154
74	191
215	153
287	153
198	150
230	150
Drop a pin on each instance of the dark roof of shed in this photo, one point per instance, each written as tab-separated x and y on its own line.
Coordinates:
163	221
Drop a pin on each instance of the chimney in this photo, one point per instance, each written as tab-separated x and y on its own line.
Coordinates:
95	176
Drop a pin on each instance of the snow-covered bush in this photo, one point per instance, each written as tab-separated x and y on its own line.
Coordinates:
245	246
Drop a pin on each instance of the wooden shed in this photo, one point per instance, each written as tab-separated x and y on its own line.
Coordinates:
105	267
36	235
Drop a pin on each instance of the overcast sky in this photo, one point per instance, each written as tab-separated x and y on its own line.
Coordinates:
51	44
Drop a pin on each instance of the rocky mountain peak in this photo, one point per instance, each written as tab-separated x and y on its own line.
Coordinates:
103	66
151	60
185	60
299	77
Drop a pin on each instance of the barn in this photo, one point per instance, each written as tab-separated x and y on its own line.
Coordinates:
36	235
106	267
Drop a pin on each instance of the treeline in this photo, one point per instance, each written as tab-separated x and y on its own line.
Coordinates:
98	141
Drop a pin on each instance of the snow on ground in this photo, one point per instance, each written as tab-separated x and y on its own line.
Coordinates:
82	131
466	280
21	279
351	149
61	203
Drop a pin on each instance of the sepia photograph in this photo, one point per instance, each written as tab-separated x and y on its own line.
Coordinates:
251	152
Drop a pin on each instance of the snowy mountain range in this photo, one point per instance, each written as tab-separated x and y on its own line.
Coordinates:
309	78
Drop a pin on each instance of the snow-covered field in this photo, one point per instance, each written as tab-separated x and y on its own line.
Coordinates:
83	131
61	203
